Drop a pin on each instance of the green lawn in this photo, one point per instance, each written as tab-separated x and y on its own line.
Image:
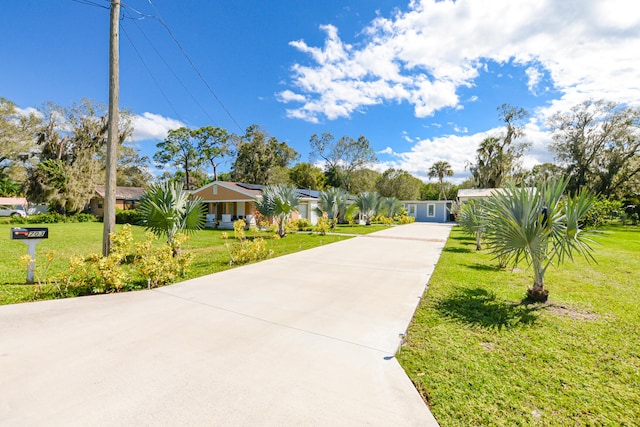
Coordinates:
67	239
481	357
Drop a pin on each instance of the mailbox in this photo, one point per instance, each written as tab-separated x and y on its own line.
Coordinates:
29	233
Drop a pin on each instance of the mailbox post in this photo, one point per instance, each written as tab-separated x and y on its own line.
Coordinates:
31	237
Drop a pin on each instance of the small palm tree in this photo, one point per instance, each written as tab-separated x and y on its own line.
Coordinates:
440	170
540	226
367	204
473	220
333	201
166	210
279	202
391	205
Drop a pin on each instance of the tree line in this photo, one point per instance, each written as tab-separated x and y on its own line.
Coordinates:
596	145
56	156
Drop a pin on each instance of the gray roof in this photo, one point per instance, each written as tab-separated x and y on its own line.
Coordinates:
123	193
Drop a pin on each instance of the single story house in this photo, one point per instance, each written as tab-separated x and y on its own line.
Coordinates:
14	201
126	198
466	194
229	201
429	210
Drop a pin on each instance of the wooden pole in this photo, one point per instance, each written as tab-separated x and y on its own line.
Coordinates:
112	131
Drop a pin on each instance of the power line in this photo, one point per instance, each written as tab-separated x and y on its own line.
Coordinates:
157	17
166	63
184	53
151	74
92	3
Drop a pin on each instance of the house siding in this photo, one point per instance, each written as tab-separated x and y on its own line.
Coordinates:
422	210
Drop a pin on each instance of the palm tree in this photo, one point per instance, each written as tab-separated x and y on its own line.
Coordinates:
279	202
391	205
540	226
334	202
439	170
367	204
167	210
473	220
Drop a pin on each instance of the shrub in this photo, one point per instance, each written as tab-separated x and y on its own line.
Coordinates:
18	220
48	218
250	251
323	225
381	219
302	224
160	266
601	211
405	219
246	250
98	274
238	229
126	216
86	217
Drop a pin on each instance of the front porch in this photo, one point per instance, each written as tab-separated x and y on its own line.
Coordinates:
224	214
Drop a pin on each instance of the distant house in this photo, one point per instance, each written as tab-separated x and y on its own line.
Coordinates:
126	198
229	201
14	201
466	194
429	210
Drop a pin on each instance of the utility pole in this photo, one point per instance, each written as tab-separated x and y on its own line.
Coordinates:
112	130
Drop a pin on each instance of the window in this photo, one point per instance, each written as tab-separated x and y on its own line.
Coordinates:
411	208
215	189
431	210
99	204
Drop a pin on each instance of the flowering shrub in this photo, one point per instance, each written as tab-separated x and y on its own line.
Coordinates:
323	225
405	219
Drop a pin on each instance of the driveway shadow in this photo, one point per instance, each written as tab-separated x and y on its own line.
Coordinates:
479	307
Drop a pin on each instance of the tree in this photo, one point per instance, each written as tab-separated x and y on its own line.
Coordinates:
8	187
540	226
599	144
543	172
179	149
133	170
362	180
213	146
17	141
344	156
439	170
258	154
71	143
367	204
279	175
333	201
473	220
390	206
498	158
166	210
306	175
400	184
279	202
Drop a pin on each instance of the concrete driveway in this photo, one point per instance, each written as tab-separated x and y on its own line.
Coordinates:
302	340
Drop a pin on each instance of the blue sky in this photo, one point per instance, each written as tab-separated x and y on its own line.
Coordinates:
420	79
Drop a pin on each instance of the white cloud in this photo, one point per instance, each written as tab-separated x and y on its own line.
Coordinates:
387	150
406	136
534	76
425	54
29	110
153	126
460	152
